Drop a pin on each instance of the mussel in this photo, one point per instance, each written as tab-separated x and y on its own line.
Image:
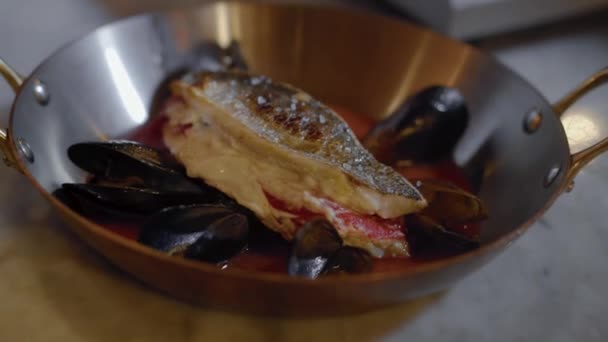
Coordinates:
133	163
314	244
131	178
133	199
203	232
221	240
424	232
317	249
183	217
449	204
348	260
443	222
424	129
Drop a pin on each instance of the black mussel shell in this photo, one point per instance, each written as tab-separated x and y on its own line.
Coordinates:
349	260
65	197
221	240
428	232
136	200
122	159
173	229
424	129
314	244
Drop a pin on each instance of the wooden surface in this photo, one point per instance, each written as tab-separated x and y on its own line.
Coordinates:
56	289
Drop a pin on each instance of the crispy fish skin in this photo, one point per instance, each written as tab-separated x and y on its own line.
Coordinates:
290	117
249	136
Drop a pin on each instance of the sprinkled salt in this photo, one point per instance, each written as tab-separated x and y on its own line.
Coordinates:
322	119
293	106
261	100
345	166
255	81
233	83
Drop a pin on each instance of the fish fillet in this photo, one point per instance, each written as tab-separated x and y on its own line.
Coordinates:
287	157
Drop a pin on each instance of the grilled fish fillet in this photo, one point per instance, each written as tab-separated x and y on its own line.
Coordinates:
286	157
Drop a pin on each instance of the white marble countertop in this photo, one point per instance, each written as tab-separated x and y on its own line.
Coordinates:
548	286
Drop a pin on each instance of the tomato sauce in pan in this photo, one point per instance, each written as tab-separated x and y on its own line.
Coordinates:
267	251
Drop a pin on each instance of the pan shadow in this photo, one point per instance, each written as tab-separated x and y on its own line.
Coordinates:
67	291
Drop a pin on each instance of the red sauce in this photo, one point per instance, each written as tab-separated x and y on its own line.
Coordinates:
152	133
268	251
130	231
372	226
302	214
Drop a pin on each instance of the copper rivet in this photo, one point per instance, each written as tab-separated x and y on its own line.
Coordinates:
25	150
41	92
533	120
552	175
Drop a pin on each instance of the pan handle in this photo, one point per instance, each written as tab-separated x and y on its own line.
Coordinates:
14	80
582	158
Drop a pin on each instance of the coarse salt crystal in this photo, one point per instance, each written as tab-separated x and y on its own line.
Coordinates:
322	119
255	81
261	100
293	106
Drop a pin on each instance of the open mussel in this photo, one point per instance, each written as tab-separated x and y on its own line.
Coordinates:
180	216
317	249
450	204
424	231
424	129
130	179
134	200
132	163
203	232
449	220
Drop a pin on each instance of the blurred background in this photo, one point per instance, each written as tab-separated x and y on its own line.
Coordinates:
549	286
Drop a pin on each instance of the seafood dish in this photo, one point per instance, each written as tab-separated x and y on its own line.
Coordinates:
252	169
287	157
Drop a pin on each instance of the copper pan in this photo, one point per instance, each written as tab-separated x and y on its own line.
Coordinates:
106	84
